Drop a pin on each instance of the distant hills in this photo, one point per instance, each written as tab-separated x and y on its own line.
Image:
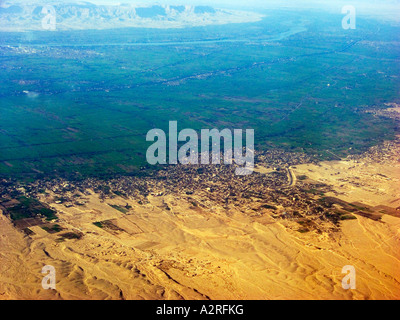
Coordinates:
22	16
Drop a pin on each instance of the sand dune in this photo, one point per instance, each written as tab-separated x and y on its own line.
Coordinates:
169	248
190	253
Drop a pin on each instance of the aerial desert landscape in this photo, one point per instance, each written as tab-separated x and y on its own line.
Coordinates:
192	150
172	244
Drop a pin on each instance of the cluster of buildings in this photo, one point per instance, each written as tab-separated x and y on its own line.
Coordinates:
205	186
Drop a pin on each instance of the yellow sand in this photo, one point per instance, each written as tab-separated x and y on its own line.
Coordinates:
189	253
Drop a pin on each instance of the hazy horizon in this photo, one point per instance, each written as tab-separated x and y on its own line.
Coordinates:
368	7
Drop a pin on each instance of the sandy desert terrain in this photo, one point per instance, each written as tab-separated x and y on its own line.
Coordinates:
170	249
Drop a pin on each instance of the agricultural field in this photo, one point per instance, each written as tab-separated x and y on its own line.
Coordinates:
79	103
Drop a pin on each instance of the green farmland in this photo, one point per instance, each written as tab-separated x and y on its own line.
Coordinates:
80	103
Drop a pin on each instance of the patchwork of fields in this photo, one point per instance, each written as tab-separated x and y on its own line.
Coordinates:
80	103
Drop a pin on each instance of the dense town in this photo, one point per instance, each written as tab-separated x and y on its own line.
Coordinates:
274	192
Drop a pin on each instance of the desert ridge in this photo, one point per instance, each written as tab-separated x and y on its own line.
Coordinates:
198	255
